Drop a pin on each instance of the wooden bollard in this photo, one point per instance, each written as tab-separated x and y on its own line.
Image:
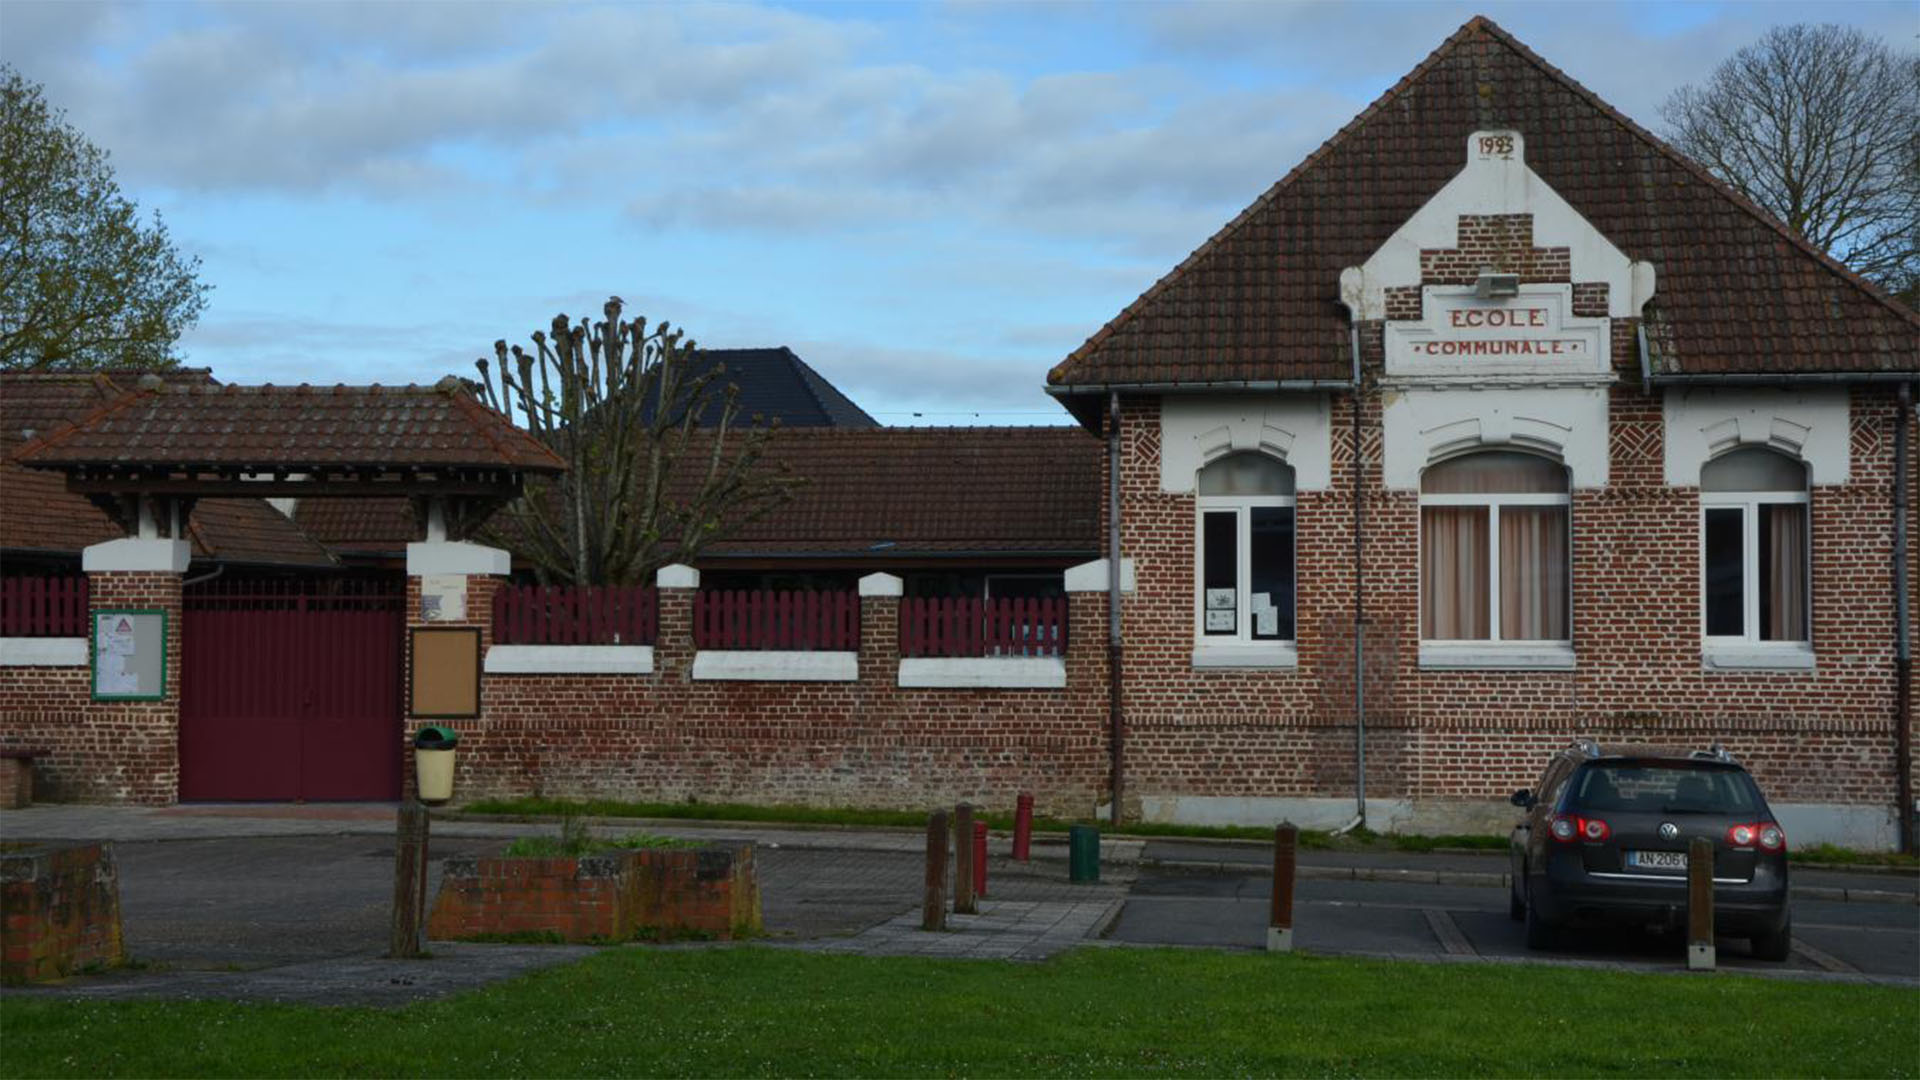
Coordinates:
409	881
933	913
979	860
1022	827
1286	845
963	899
1700	955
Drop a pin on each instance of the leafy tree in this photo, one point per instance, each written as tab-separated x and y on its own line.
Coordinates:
1820	125
84	283
655	472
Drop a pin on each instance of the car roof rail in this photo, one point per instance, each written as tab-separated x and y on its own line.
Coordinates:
1716	752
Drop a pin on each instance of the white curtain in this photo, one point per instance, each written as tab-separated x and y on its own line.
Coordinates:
1533	573
1453	573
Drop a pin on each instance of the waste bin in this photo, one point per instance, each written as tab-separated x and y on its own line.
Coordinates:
1083	853
433	762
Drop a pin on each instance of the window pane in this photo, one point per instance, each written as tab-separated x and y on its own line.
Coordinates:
1453	573
1753	469
1533	573
1247	474
1724	556
1502	472
1219	567
1783	572
1270	594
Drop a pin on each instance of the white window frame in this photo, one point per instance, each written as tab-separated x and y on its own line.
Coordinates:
1494	651
1241	649
1748	649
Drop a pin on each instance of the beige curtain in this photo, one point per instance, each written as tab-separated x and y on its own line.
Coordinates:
1533	573
1453	573
1784	531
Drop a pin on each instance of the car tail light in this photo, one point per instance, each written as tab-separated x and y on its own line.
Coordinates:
1762	834
1568	829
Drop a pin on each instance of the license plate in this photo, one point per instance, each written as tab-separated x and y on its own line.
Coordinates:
1657	860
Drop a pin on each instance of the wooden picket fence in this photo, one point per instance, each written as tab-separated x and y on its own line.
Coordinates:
43	607
967	626
575	615
767	619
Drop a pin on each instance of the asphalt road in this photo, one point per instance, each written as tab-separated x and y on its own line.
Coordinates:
1230	909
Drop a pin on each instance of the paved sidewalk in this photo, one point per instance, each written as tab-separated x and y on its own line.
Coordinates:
1002	930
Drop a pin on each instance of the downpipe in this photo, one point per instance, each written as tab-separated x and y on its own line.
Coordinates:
1359	607
1906	818
1116	737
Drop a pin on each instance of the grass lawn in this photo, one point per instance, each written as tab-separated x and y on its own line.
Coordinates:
1092	1012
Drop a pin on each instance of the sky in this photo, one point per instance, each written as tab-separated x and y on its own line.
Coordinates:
931	203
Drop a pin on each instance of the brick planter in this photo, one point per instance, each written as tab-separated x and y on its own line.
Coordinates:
655	893
59	911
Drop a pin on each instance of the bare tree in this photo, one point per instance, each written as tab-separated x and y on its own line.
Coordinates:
658	466
1819	125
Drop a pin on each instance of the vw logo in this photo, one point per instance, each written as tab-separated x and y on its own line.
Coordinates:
1668	830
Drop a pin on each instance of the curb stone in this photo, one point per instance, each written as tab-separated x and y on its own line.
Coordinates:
1493	881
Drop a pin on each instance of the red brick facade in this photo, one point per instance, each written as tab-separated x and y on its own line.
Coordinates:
101	751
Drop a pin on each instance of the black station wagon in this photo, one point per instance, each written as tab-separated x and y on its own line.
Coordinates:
1605	842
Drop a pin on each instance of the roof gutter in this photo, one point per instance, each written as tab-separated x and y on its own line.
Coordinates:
1211	386
1754	379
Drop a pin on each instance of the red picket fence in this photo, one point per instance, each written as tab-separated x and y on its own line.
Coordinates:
43	607
727	619
575	615
964	626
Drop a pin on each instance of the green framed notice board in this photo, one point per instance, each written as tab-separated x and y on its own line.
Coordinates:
129	654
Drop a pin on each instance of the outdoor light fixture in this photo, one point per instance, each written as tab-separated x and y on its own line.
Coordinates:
1495	286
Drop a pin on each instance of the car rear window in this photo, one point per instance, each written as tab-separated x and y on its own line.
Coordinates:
1663	788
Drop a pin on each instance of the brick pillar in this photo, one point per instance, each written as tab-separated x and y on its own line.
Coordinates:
673	647
880	630
463	577
1087	660
135	755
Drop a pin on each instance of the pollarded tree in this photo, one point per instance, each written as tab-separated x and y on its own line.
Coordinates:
1820	125
84	283
658	463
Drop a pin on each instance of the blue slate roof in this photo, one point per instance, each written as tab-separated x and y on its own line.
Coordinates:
776	384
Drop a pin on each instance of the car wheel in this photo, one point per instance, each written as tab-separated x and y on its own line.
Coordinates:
1540	933
1516	907
1776	946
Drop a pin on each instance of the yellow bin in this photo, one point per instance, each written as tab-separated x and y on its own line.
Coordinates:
433	750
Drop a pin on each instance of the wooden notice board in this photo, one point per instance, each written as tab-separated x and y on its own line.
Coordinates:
446	673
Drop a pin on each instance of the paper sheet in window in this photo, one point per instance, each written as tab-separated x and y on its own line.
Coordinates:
1220	599
1266	615
1219	621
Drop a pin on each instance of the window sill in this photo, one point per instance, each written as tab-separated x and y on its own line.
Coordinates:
1789	656
1263	655
985	672
771	665
1496	655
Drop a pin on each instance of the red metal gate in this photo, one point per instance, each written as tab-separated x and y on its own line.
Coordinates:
291	690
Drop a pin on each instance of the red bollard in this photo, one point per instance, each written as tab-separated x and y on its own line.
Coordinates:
979	858
1022	827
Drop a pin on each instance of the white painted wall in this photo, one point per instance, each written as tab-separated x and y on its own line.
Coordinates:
985	672
1197	430
773	665
43	652
137	554
1422	425
456	557
1812	425
569	660
1497	183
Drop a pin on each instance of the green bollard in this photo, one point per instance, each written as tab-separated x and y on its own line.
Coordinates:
1083	853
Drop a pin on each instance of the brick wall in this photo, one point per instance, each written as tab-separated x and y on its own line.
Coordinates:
105	751
59	912
653	893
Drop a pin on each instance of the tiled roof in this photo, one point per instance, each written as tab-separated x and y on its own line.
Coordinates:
872	491
1260	301
777	384
295	427
901	490
38	513
360	525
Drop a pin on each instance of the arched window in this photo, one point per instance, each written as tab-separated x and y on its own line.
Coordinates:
1245	577
1754	548
1493	549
